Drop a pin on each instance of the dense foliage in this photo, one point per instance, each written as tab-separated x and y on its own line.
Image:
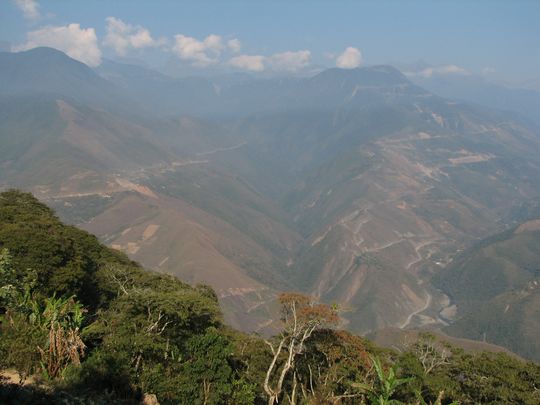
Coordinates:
87	325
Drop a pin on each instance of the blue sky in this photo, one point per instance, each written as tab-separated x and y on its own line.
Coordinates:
499	38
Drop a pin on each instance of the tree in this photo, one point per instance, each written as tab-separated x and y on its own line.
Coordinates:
301	316
430	354
331	362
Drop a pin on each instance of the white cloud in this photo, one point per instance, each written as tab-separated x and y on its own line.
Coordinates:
488	70
122	36
201	53
440	71
234	45
286	61
254	63
213	42
209	51
290	61
350	58
29	8
79	43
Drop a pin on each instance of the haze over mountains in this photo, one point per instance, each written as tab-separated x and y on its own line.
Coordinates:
357	186
477	89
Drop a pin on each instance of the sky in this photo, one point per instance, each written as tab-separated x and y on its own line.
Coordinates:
500	39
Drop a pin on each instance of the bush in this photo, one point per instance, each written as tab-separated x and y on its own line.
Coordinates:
19	345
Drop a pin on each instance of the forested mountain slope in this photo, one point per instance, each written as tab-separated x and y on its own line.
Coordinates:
81	323
496	288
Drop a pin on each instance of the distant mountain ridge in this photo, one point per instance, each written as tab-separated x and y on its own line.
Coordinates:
222	98
475	89
357	186
51	72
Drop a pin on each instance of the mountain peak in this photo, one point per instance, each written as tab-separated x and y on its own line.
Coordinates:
42	63
49	71
43	54
44	50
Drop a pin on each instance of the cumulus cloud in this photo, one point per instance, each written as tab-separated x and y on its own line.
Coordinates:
79	43
290	61
234	45
200	53
122	37
287	61
29	8
440	71
253	63
350	58
210	51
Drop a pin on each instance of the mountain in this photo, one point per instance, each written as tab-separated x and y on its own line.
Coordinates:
476	89
356	186
49	140
92	163
163	95
234	96
387	182
60	119
204	226
48	71
495	290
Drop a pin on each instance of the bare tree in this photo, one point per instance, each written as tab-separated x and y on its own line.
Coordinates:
156	323
430	353
301	316
121	277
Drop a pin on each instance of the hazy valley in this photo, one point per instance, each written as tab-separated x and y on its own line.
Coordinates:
356	186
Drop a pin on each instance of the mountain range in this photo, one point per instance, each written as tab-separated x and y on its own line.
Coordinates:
357	186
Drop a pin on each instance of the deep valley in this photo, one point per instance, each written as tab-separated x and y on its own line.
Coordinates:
355	186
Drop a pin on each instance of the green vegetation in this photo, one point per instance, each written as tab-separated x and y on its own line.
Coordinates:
80	323
383	390
496	286
140	330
